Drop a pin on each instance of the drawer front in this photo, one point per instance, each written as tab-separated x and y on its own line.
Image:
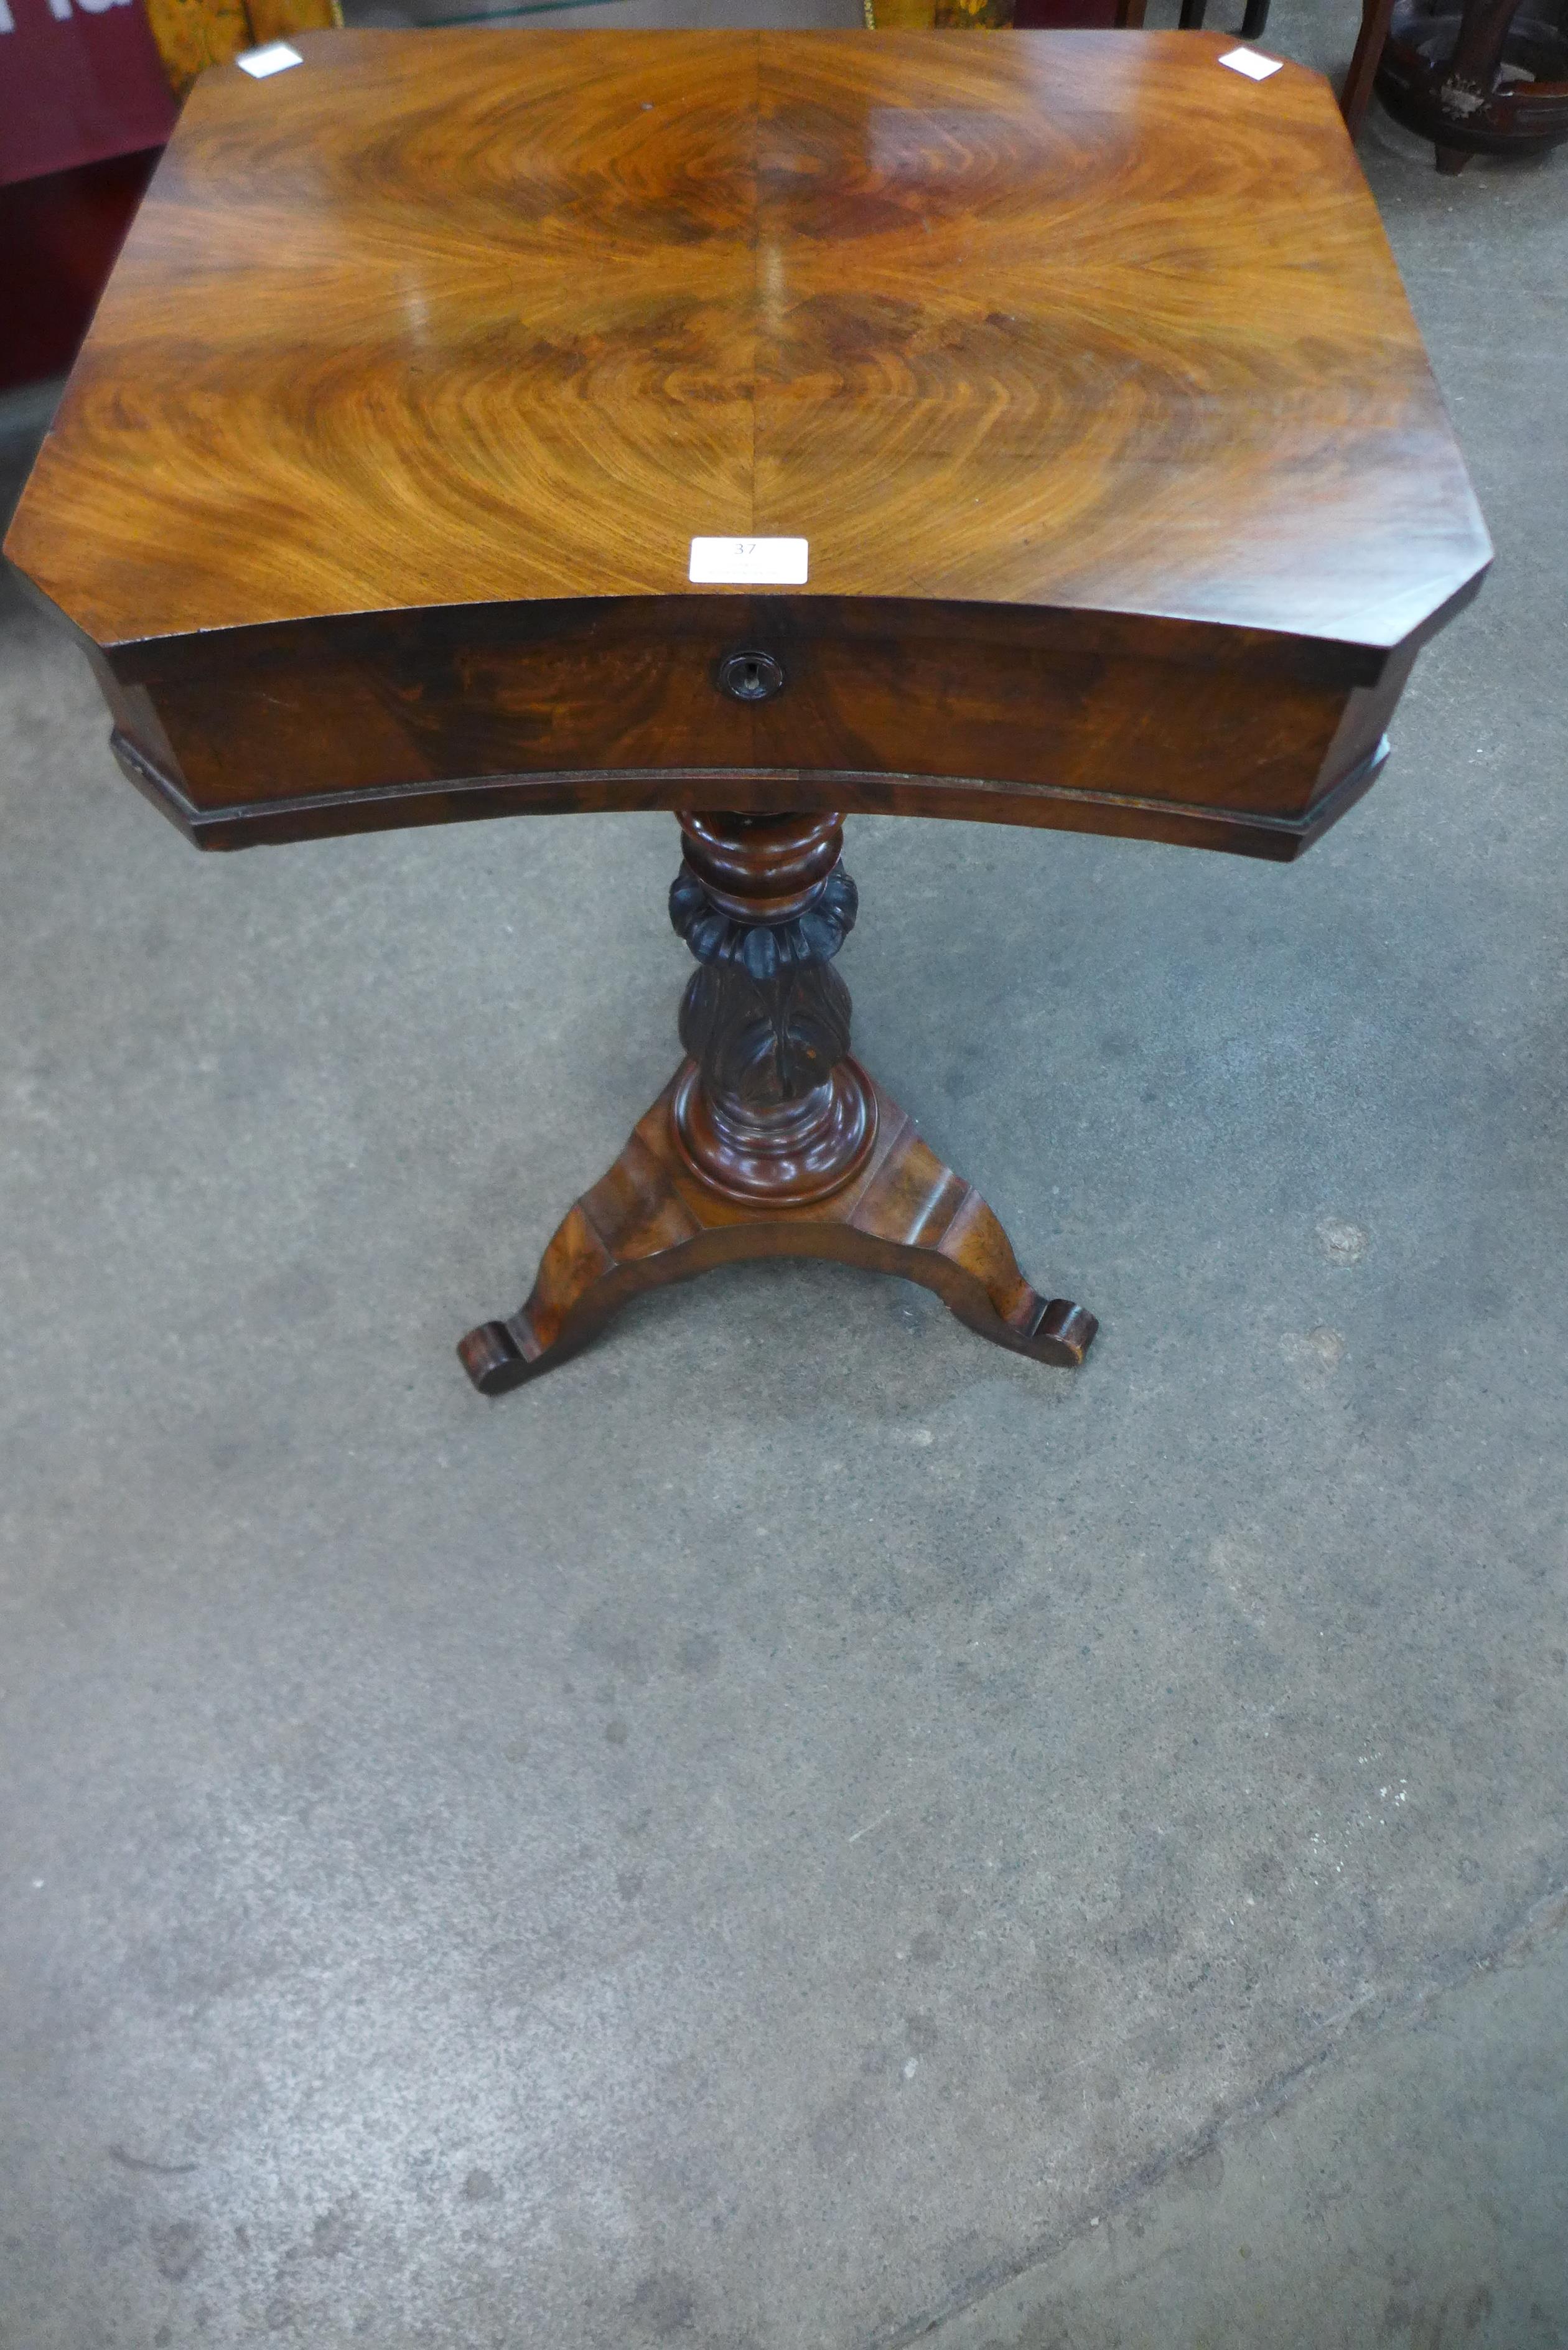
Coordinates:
1173	730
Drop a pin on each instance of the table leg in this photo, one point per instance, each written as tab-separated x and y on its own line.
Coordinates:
770	1140
1376	15
1474	70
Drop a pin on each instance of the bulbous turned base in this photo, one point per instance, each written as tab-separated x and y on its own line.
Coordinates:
793	1152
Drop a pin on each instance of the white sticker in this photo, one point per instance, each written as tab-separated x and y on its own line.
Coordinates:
276	57
748	562
1248	62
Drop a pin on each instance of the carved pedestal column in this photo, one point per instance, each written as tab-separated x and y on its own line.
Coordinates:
772	1108
770	1140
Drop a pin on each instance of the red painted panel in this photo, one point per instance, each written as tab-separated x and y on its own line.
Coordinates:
79	81
58	238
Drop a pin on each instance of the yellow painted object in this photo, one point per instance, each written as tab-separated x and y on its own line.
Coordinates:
194	34
274	20
917	16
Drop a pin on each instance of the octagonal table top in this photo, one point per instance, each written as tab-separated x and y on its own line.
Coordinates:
1076	319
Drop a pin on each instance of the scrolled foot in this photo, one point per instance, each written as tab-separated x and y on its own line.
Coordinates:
493	1359
1064	1334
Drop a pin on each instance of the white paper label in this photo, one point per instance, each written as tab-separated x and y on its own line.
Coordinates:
748	562
276	57
1248	62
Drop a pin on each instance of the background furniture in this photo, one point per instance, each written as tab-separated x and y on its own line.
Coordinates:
1023	15
1357	94
76	87
58	235
84	108
1490	79
1117	502
1254	21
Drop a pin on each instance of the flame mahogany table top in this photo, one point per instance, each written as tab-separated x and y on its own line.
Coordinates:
1081	362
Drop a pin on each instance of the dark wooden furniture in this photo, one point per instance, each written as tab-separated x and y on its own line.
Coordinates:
1081	365
1254	17
1076	16
1357	93
1487	77
1001	16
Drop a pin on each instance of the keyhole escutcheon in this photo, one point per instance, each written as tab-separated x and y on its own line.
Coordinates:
752	676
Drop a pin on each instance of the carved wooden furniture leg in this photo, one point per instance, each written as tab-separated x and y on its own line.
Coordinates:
770	1140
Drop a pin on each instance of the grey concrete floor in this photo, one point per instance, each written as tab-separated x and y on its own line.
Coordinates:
801	1829
1414	2191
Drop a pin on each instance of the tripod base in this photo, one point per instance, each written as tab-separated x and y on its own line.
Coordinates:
652	1220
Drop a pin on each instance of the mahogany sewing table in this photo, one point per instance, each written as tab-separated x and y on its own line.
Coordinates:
1077	362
